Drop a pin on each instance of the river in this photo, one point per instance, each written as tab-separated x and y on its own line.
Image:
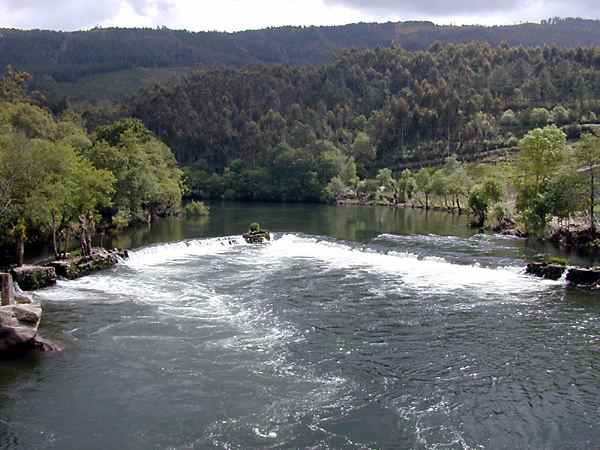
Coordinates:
355	328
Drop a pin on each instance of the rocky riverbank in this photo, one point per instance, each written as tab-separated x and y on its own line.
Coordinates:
20	316
20	319
34	277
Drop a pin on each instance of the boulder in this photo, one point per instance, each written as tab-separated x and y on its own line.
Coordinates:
44	345
545	270
18	327
77	267
19	322
31	278
584	277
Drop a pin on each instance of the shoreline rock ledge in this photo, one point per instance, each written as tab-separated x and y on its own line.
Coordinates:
19	321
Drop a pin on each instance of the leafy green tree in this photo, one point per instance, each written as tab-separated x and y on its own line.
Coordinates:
508	119
587	153
479	203
560	115
539	117
457	180
406	185
543	151
348	174
13	85
423	180
439	186
363	149
148	180
335	189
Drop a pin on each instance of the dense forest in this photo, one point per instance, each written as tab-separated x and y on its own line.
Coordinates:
285	129
57	180
70	56
384	125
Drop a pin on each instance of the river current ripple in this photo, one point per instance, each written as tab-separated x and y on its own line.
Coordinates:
311	342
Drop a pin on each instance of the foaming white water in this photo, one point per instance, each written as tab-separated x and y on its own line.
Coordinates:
430	273
159	254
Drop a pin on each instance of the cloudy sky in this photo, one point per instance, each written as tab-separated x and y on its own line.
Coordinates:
232	15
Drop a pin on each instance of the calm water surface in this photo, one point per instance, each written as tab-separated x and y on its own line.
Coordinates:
355	328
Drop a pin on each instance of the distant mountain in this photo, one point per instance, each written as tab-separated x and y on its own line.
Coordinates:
70	56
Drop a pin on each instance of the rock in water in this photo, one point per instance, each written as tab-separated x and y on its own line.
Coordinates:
583	277
545	270
31	278
18	327
99	259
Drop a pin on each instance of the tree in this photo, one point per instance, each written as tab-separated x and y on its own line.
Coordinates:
67	187
423	180
542	153
539	116
560	115
587	153
13	85
457	180
363	150
479	203
406	186
439	186
148	181
508	119
348	174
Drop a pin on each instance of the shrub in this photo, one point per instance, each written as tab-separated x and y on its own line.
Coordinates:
196	209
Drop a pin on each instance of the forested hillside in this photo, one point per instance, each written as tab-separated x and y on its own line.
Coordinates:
71	56
385	108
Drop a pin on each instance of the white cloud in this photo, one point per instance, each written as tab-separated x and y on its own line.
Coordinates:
233	15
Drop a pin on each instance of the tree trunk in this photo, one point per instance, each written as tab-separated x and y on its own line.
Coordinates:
20	251
593	224
54	239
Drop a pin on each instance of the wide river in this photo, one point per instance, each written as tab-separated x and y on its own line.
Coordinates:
355	328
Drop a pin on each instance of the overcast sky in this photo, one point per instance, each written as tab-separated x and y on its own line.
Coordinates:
233	15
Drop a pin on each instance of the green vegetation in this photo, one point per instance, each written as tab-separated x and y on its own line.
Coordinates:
70	56
282	133
558	260
56	181
382	126
546	181
196	209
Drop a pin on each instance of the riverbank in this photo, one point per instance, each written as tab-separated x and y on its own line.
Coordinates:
576	235
20	316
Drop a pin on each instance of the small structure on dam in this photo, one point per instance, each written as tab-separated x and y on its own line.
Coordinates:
256	235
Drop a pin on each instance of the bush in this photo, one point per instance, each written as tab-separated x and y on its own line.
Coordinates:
479	204
499	214
196	209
